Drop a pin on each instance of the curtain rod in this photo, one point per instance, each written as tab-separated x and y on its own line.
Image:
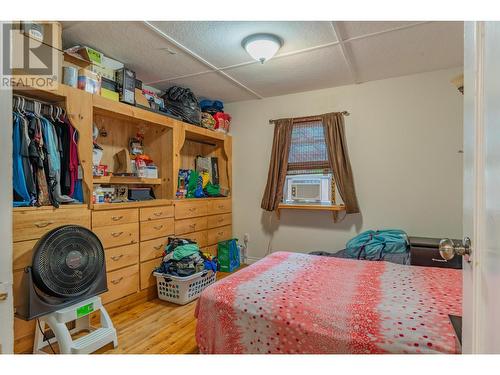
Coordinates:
309	118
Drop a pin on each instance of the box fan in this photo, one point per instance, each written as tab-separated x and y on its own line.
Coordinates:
67	274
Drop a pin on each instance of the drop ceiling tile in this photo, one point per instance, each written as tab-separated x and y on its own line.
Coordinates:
312	70
137	46
351	29
210	85
220	42
427	47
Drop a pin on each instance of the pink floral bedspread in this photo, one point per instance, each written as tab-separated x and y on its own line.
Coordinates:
297	303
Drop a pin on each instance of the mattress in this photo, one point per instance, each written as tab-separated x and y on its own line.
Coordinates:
299	303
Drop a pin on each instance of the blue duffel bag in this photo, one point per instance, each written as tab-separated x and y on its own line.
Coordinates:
374	245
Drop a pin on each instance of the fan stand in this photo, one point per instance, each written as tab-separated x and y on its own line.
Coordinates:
80	313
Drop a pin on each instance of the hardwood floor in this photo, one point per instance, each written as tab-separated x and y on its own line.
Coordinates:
151	326
156	327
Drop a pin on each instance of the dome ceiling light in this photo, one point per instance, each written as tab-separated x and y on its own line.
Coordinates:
262	47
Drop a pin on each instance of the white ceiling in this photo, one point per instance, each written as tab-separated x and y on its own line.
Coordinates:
208	57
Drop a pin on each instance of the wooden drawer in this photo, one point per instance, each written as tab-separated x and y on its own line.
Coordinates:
219	234
22	255
113	217
33	224
212	249
219	206
153	248
156	228
154	213
121	283
199	237
147	278
118	235
188	209
219	220
190	225
121	256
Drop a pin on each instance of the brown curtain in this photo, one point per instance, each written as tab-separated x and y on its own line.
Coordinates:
278	164
336	144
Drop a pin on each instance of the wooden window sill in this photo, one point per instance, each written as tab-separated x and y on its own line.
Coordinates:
310	207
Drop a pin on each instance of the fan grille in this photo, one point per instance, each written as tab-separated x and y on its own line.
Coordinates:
68	261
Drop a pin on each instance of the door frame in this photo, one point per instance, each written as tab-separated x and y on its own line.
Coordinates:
7	306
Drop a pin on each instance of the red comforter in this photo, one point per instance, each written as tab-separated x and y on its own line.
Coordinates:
297	303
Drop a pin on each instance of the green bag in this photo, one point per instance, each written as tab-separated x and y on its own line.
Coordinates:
228	255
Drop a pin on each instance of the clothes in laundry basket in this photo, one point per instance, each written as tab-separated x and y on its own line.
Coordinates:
183	258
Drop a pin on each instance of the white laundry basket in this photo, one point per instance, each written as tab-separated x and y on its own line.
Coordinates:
181	290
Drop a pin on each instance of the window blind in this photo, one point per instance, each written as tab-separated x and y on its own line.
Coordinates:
308	147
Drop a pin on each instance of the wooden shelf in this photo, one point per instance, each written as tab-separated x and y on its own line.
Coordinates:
126	180
49	208
108	107
46	95
310	207
135	204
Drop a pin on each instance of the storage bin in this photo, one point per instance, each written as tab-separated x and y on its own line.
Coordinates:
181	290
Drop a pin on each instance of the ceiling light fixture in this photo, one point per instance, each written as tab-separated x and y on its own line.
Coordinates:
262	47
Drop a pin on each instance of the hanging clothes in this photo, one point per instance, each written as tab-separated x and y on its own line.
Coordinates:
46	168
21	194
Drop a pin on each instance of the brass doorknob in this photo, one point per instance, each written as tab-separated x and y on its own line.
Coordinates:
448	249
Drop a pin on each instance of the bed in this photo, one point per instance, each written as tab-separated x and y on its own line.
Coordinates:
299	303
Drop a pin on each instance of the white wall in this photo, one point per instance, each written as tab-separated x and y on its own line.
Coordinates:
404	135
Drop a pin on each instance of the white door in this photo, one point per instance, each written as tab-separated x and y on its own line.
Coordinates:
481	201
6	304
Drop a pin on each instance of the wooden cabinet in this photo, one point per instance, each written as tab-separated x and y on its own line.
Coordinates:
117	235
30	224
156	228
133	234
190	225
219	234
147	278
121	283
121	256
154	213
190	208
215	221
114	217
153	248
207	229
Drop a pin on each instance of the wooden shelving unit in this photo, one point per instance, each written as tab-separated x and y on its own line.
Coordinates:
124	180
117	206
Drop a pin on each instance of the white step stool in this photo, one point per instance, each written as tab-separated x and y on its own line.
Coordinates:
80	313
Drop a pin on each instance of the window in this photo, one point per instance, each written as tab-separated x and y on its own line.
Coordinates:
308	153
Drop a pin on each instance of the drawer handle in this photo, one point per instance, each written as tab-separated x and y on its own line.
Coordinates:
117	281
43	224
116	234
116	218
158	214
221	220
220	206
193	209
116	258
158	227
158	247
439	260
192	226
220	233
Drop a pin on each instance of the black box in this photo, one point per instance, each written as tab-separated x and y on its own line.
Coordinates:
125	80
108	84
138	84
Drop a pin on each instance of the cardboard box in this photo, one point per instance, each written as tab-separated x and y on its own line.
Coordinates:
113	95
